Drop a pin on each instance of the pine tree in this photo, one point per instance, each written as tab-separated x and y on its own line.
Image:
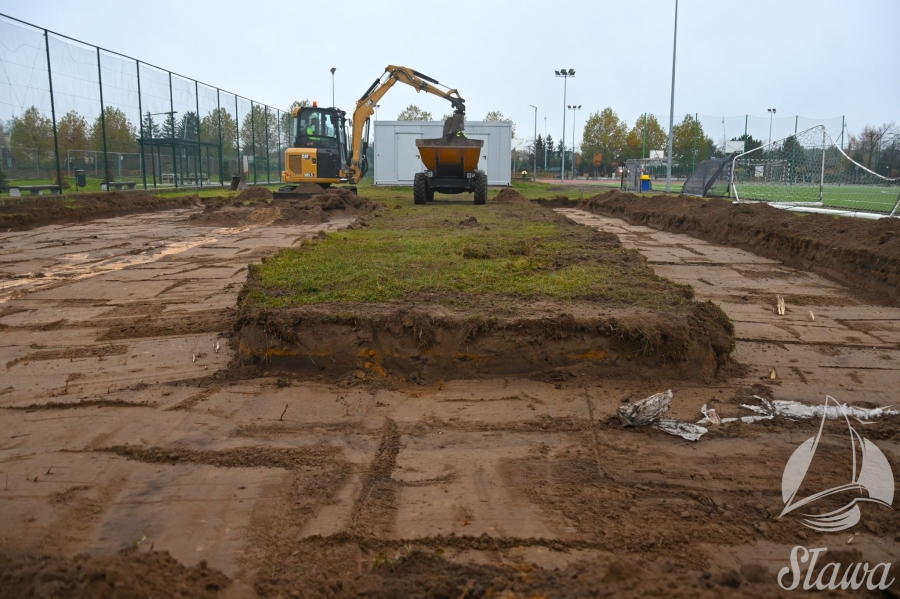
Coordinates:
4	185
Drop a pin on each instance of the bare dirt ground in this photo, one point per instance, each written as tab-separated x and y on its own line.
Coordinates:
124	433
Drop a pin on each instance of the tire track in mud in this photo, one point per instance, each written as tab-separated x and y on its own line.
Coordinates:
375	508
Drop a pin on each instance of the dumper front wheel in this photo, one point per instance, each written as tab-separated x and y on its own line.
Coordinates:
420	188
429	193
481	188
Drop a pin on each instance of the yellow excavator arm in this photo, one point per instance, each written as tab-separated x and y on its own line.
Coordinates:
365	107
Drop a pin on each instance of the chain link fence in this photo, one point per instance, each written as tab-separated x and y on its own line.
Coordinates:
68	108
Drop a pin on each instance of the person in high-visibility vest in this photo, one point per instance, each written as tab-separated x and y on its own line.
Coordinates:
313	129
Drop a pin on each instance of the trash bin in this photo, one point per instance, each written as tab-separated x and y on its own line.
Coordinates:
80	179
646	185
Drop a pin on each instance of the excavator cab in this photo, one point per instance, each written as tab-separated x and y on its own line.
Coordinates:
319	151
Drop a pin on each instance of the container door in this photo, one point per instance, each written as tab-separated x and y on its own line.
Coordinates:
407	158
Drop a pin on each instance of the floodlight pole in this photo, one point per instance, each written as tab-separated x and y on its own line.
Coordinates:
333	69
534	174
771	114
672	104
565	74
573	108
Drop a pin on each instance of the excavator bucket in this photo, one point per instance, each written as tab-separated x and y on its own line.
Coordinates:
450	158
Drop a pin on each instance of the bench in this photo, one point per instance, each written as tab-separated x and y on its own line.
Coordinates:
118	185
36	190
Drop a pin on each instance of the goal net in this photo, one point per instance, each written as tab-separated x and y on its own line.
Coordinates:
635	167
809	168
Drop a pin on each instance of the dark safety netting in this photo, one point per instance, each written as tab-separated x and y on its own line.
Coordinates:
710	179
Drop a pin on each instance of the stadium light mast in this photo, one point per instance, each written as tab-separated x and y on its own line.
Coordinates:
534	174
333	69
772	112
565	74
672	105
573	108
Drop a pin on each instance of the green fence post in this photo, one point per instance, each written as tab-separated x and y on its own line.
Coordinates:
172	125
794	149
137	63
746	118
237	137
219	119
53	115
103	120
268	153
280	153
694	153
253	137
199	147
644	140
841	155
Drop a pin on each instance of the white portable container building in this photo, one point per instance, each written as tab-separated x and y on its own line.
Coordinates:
397	158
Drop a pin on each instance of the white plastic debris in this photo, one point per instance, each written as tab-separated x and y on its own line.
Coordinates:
794	410
779	305
217	347
650	412
811	316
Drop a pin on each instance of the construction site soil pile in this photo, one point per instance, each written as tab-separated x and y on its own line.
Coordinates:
509	195
255	207
129	574
863	254
36	212
517	290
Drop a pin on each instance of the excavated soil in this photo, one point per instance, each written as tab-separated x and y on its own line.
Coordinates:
509	195
431	343
860	253
129	574
256	207
491	464
38	212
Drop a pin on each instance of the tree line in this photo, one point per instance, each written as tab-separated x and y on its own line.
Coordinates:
30	135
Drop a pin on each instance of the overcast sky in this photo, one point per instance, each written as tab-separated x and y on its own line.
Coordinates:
815	58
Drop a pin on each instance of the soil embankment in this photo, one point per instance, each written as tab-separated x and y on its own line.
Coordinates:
862	254
422	344
39	212
254	206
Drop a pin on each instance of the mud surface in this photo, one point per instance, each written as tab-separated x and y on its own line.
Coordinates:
83	207
863	254
256	207
131	574
130	432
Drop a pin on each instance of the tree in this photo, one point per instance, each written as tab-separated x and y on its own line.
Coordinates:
606	133
646	134
254	130
31	135
150	126
414	113
169	128
72	134
869	142
548	148
209	128
298	104
496	116
539	149
4	185
688	135
188	126
120	133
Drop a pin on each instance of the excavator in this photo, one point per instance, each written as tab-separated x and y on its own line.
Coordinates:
320	154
